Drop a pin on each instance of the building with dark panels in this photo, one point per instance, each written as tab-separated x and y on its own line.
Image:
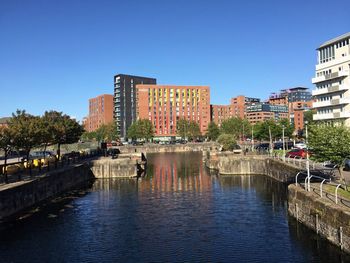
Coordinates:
260	112
125	100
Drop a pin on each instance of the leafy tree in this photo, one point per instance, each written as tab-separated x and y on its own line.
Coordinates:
188	129
25	131
213	131
193	130
146	129
330	143
288	128
89	136
182	128
262	130
141	129
5	145
308	116
237	127
227	141
62	129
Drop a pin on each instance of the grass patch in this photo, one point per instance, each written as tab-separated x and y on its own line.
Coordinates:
341	192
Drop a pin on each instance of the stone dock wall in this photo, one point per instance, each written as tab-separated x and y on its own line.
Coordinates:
156	148
230	163
20	196
326	218
125	166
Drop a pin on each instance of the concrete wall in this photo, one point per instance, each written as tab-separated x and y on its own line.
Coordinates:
124	166
20	196
157	148
325	217
230	163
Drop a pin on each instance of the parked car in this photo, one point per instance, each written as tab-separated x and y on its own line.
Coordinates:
236	149
301	153
347	164
300	145
279	145
262	147
136	143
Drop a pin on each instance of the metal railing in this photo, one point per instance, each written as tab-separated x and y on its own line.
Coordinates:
319	190
29	169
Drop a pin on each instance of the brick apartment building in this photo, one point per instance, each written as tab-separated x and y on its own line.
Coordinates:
164	105
100	112
298	100
237	108
219	113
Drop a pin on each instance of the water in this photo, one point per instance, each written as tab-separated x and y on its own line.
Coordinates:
179	213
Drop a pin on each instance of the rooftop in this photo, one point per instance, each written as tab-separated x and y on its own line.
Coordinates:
336	39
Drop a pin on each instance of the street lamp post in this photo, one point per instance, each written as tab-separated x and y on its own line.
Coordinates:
307	156
284	148
252	138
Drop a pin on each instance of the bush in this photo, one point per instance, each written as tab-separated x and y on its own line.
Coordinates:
227	141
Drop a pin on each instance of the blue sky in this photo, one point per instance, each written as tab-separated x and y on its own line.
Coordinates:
58	54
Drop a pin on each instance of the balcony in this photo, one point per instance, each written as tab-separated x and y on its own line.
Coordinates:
321	117
331	76
320	104
331	116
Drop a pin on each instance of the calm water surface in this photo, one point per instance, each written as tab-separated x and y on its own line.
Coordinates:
178	213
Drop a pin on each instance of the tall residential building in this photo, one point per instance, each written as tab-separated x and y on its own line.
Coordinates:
100	112
237	108
125	100
332	95
164	105
260	112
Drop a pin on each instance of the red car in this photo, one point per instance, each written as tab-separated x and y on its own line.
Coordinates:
301	153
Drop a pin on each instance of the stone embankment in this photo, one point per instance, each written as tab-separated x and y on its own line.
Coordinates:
326	218
125	166
20	196
230	163
157	148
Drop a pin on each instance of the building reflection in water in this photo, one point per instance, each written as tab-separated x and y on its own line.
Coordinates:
173	172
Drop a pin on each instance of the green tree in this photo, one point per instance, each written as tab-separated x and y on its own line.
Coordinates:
182	127
193	130
262	130
188	129
239	128
25	131
227	141
213	131
288	128
330	143
308	116
63	129
5	145
141	129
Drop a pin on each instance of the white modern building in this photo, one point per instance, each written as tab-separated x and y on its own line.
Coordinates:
332	92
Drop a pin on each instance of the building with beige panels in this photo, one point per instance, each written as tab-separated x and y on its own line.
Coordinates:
332	91
100	112
164	105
